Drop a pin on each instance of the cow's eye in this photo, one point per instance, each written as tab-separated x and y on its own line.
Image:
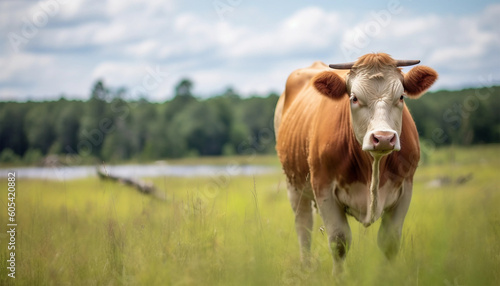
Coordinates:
402	97
354	99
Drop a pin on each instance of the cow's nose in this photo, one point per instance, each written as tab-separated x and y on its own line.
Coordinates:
383	140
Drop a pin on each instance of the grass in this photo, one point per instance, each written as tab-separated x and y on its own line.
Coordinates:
239	231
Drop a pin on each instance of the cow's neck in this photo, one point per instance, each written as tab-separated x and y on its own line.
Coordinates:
374	185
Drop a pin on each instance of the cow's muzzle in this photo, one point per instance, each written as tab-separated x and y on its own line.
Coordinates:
382	141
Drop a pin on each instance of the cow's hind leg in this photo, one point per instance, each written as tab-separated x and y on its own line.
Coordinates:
336	225
389	234
301	202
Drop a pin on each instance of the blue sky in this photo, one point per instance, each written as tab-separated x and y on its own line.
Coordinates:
55	47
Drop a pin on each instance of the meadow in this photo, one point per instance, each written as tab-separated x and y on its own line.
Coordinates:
237	230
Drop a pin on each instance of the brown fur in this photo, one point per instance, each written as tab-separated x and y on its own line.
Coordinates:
375	60
318	148
334	153
315	139
299	79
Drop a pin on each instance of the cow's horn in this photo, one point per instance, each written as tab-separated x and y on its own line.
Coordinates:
345	66
405	63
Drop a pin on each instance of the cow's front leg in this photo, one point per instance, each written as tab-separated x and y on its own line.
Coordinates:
389	234
301	204
336	225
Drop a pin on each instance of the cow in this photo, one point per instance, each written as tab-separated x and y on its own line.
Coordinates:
348	145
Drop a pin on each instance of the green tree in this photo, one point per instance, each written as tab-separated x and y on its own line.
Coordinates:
202	128
144	115
68	126
8	156
39	127
183	97
257	114
12	133
96	121
33	156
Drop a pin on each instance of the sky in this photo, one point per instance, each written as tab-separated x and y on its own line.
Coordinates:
55	48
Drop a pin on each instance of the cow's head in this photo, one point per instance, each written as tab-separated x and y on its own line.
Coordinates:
376	88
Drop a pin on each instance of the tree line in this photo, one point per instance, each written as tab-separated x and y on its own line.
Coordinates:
107	127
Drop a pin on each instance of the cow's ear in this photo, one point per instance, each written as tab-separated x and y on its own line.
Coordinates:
418	80
330	84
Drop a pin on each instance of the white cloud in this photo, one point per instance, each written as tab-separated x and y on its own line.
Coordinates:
111	34
141	78
115	73
460	48
117	40
307	30
404	27
18	65
71	9
151	8
142	49
33	76
464	40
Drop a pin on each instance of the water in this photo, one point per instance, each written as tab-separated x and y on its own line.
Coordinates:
138	171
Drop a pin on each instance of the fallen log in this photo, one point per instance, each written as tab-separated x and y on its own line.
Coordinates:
143	187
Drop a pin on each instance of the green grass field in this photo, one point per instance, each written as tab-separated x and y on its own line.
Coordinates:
239	231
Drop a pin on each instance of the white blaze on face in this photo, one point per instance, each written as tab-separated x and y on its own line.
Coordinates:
377	109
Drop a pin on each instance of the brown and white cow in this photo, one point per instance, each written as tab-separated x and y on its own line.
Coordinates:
347	141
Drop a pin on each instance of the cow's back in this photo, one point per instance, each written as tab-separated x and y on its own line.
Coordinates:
294	115
298	81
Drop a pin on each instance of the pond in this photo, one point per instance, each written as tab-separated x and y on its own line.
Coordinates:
138	171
